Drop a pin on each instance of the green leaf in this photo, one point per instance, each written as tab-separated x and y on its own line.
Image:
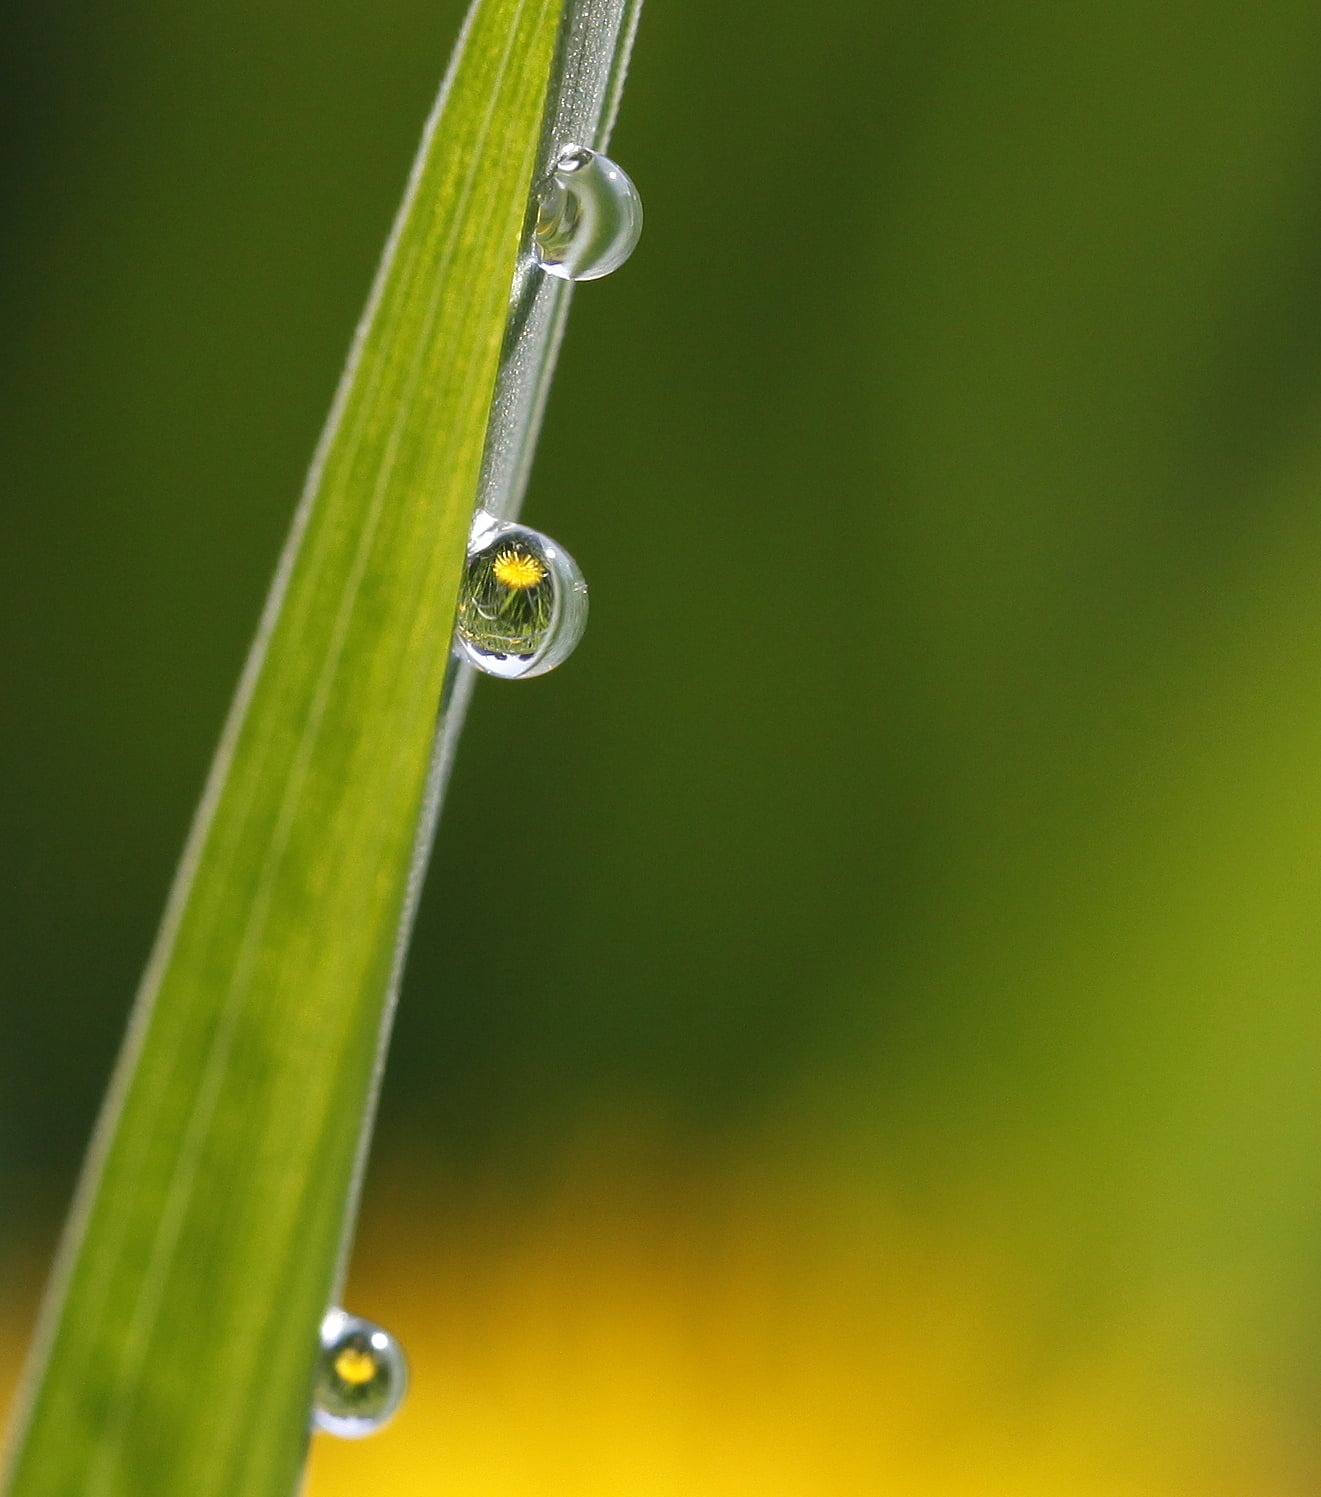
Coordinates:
178	1349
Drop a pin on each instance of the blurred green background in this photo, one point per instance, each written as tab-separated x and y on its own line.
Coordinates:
892	1064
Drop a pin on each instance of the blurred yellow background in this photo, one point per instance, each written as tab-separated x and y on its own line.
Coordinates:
863	1030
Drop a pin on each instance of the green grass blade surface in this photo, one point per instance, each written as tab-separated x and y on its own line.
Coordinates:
179	1341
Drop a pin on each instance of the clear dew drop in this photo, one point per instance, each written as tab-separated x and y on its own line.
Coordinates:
361	1376
589	216
522	604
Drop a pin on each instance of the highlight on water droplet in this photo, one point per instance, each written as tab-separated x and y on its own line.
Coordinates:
361	1376
522	603
589	216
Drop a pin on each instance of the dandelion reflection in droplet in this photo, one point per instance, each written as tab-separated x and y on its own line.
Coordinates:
589	216
522	603
361	1376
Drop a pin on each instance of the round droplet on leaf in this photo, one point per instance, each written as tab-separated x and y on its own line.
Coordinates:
589	216
522	603
361	1376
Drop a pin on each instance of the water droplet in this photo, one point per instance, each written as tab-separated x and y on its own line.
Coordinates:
523	602
589	216
361	1376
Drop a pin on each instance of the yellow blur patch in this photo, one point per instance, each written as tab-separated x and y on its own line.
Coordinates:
752	1334
746	1333
355	1367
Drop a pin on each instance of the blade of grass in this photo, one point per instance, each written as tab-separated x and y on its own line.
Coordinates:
177	1347
590	67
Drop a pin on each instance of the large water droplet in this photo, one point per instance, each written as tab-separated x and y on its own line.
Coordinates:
523	602
589	216
361	1376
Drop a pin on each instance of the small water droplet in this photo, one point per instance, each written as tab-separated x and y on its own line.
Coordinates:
361	1376
523	601
589	216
